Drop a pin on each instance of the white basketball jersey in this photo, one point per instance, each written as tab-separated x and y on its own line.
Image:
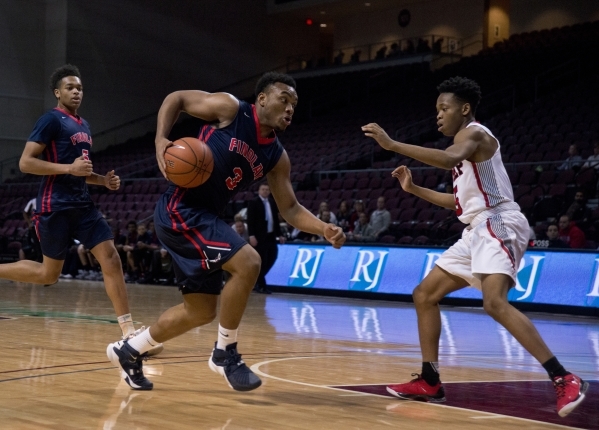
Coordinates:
478	187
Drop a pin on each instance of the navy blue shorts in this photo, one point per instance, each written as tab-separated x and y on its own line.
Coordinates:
56	230
199	242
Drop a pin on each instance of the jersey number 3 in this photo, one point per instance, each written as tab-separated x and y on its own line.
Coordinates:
232	182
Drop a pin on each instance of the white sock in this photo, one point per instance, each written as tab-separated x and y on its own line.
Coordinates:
142	342
225	337
126	323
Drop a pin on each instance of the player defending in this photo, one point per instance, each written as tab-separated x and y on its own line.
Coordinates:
64	208
245	148
489	252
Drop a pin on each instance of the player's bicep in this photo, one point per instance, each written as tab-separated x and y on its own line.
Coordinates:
33	149
280	184
464	147
210	107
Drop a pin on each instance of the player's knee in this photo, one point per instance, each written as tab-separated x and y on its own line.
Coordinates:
494	306
251	262
422	297
204	318
48	276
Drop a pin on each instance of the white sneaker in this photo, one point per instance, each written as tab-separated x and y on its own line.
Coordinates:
154	351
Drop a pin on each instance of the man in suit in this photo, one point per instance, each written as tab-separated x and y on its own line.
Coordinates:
264	231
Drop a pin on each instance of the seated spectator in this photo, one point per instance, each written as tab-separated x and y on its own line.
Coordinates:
338	60
394	51
380	219
574	161
437	45
90	268
423	46
410	48
593	160
553	240
162	268
570	234
358	209
128	246
324	206
579	211
141	255
355	57
363	231
242	230
380	53
343	216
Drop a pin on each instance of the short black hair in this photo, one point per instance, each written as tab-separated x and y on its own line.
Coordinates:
271	78
463	88
63	72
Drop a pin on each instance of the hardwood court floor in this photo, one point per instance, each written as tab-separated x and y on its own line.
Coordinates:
324	363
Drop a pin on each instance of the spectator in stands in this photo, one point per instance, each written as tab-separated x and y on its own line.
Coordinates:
437	45
380	219
394	51
570	234
29	210
574	161
423	46
380	53
343	216
142	254
410	48
363	231
358	209
130	242
90	269
162	268
324	206
553	240
355	57
241	228
593	160
338	60
578	211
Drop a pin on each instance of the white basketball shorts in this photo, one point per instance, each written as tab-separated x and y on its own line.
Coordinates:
494	245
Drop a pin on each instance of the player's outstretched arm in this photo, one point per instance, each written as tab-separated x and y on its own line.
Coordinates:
31	163
293	212
219	108
404	175
110	180
465	144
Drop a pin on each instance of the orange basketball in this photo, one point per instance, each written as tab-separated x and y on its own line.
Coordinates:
189	162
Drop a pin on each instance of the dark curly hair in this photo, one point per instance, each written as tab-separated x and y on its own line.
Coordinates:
63	72
463	88
271	78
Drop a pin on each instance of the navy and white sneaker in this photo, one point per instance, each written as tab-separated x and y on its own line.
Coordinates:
131	364
229	364
155	350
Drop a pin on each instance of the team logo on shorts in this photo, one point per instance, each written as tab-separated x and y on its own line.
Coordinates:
529	273
368	268
305	267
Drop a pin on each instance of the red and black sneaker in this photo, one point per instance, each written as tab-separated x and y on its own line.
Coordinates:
418	389
570	391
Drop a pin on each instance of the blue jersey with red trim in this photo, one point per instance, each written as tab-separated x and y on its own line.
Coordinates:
241	157
66	137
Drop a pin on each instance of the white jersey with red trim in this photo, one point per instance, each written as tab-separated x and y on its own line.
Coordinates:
479	187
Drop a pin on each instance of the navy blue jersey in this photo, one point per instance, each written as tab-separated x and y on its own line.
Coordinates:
241	157
66	137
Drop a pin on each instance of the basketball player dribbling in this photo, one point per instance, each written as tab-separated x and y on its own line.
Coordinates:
489	252
64	208
245	148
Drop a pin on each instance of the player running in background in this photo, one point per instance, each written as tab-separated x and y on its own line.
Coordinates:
58	149
490	250
245	148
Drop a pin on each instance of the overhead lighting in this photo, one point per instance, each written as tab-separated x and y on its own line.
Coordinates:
323	25
367	4
322	12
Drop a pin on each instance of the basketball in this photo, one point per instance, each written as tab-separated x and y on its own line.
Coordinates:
189	162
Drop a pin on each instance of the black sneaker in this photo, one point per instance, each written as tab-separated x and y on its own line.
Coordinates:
131	364
229	364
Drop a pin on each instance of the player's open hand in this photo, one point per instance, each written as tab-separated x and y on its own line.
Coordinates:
161	145
112	181
404	175
335	235
81	167
377	133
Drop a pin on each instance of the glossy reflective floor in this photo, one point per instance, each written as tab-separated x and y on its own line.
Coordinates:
324	363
